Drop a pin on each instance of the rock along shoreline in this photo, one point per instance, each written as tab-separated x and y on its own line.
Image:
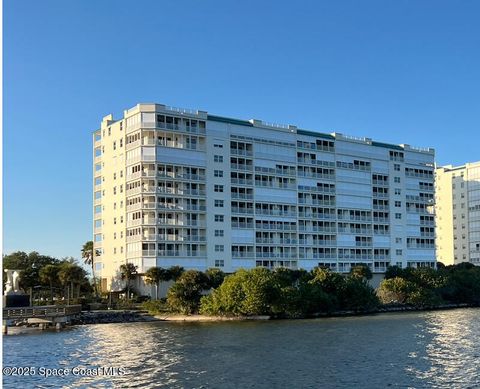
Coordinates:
128	316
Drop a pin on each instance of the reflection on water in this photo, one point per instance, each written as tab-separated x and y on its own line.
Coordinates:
420	350
451	351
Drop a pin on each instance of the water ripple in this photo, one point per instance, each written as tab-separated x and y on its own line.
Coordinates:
411	350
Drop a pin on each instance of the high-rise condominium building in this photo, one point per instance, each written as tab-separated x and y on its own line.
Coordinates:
457	192
183	187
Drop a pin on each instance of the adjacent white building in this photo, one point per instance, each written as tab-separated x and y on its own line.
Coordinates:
458	213
183	187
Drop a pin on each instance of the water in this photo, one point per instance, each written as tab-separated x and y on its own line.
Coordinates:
407	350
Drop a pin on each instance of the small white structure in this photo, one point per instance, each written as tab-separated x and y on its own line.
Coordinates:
11	286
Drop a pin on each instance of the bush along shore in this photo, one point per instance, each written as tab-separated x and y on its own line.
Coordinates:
257	293
285	293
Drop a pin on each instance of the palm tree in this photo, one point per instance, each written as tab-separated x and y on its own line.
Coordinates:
71	274
128	272
49	275
155	275
87	255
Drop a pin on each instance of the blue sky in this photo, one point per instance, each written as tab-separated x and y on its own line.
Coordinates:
396	71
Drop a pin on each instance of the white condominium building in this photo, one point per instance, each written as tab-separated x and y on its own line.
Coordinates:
183	187
457	192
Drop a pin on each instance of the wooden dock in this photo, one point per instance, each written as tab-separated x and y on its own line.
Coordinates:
44	316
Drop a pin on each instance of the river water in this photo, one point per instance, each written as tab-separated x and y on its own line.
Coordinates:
438	349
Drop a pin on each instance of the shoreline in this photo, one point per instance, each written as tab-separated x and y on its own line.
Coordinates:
130	316
323	315
142	316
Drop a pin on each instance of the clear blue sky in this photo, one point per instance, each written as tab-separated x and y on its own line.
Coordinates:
396	71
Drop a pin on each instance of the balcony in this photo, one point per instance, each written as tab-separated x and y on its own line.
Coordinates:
277	255
247	153
242	196
180	253
178	127
275	242
242	211
242	167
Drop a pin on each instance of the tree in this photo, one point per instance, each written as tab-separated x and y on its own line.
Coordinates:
30	265
361	271
358	295
128	272
49	275
246	292
88	255
393	271
215	277
184	295
71	275
155	275
330	282
395	290
175	272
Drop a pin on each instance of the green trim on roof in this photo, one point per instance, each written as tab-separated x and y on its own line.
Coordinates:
239	122
315	134
229	120
387	145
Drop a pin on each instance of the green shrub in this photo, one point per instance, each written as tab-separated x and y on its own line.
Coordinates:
156	307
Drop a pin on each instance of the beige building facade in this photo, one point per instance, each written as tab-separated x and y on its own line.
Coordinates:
457	203
188	188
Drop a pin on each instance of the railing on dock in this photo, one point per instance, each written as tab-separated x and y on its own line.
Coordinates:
41	311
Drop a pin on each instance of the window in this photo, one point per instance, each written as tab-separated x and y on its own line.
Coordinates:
98	167
114	205
398	204
398	240
98	180
114	220
114	250
114	176
219	203
218	188
114	190
218	145
396	180
121	219
218	173
121	188
98	238
398	252
98	223
114	235
398	191
98	195
219	248
396	167
219	232
398	216
121	173
219	263
217	158
114	145
219	218
121	142
98	209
